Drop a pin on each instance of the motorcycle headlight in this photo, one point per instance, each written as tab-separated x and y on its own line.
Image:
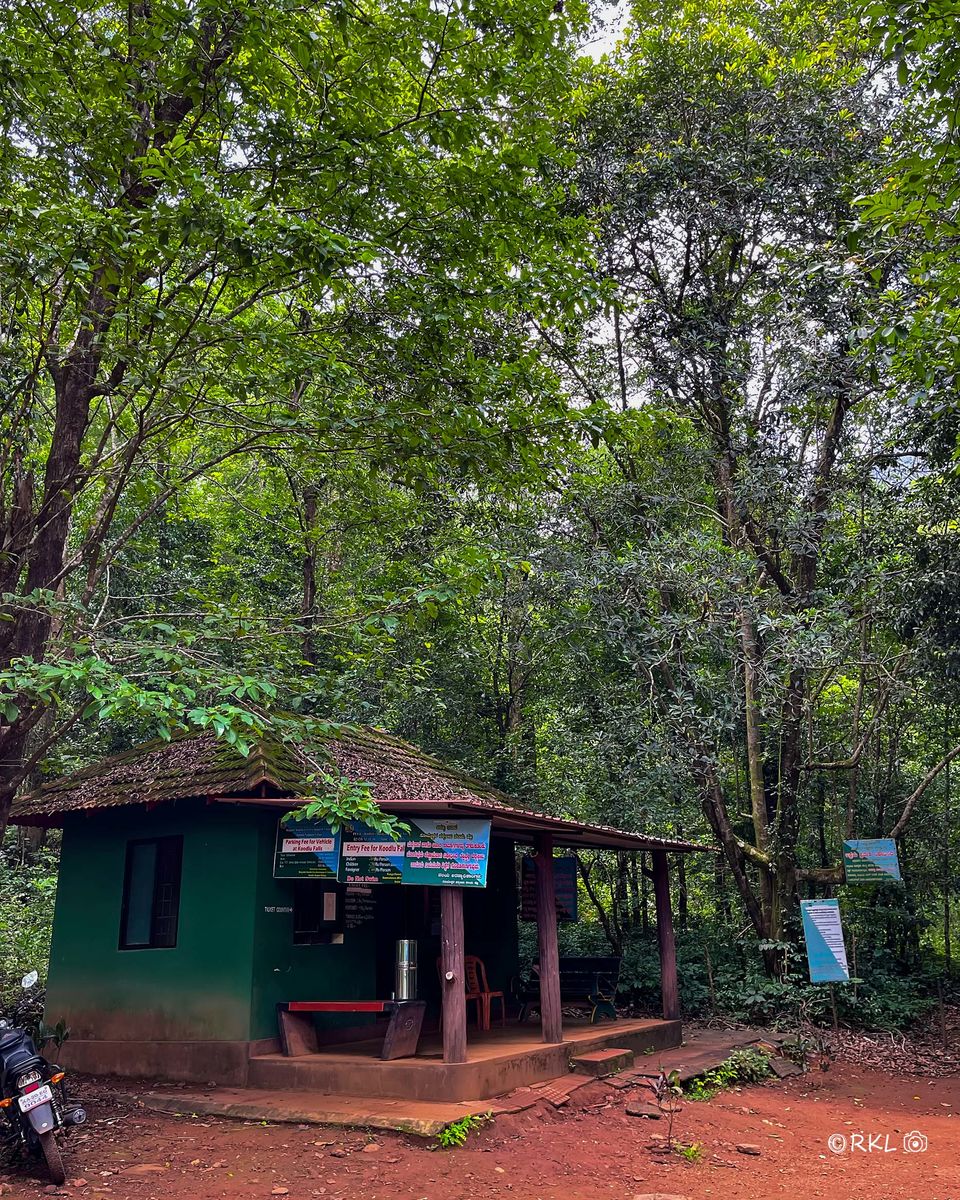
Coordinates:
29	1077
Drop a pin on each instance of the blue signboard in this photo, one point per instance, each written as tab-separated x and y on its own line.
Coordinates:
306	850
564	889
370	856
826	953
447	852
873	860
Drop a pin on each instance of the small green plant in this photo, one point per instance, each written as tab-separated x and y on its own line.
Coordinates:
668	1094
57	1034
743	1066
692	1153
706	1086
750	1065
457	1132
797	1049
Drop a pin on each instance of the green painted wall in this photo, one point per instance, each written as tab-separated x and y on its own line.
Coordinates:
197	990
235	957
283	971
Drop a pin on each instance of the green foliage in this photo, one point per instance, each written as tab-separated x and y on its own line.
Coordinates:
292	264
888	992
591	423
798	1049
27	894
456	1133
56	1034
747	1065
341	800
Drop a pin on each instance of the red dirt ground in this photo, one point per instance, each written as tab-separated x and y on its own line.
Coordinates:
590	1150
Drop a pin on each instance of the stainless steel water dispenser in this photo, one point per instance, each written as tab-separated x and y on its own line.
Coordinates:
406	972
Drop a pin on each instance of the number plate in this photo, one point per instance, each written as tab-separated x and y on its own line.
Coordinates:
42	1095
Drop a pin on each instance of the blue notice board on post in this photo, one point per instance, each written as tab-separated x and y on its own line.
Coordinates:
823	933
871	860
564	888
449	852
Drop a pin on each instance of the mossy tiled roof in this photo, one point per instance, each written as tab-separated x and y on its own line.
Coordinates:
403	779
159	771
202	764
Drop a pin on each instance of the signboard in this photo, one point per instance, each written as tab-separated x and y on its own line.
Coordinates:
873	860
564	888
435	853
826	953
359	907
446	852
306	850
368	856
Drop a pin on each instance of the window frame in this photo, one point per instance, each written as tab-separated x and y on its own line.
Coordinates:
171	940
327	932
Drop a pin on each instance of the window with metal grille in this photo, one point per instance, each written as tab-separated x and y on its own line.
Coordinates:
151	893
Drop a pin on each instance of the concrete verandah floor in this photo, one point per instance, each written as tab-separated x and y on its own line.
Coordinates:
498	1060
514	1037
703	1051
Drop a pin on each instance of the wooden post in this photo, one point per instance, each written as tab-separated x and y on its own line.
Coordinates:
551	1019
669	988
454	998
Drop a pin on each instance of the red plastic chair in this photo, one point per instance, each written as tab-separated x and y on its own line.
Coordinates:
478	990
472	994
476	981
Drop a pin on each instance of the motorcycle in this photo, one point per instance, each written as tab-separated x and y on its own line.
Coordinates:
33	1096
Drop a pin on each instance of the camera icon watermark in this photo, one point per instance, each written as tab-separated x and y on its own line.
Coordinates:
913	1142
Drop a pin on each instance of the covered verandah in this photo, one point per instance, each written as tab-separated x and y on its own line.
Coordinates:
496	1061
545	834
515	1052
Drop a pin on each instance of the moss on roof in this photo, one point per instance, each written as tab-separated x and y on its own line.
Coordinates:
201	764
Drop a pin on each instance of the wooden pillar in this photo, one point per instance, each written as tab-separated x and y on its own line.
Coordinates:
669	988
551	1019
454	998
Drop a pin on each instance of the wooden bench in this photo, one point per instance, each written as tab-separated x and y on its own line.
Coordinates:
585	982
299	1036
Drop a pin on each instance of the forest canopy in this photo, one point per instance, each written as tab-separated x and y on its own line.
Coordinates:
582	410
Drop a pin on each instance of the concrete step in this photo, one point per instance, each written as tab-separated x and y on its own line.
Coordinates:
602	1062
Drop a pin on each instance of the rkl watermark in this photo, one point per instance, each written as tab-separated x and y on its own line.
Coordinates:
913	1142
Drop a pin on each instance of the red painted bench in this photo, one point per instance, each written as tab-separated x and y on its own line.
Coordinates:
298	1035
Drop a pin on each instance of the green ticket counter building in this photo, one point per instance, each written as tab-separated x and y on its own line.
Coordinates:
174	942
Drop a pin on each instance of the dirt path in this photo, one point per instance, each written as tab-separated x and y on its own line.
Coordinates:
590	1151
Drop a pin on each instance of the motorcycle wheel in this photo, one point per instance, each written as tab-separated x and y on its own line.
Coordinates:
51	1154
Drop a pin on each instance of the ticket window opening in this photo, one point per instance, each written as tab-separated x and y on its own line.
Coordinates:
317	912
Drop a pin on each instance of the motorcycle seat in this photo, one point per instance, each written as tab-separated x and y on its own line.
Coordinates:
16	1060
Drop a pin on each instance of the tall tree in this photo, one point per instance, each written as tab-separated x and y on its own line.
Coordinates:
722	153
248	231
